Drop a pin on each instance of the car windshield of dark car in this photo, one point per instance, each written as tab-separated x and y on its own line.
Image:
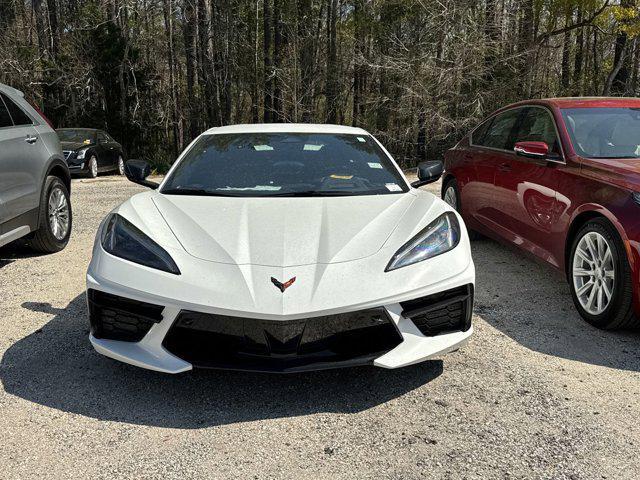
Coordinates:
604	132
75	136
285	164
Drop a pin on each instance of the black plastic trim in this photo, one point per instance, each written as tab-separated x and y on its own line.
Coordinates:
118	318
29	219
442	312
237	343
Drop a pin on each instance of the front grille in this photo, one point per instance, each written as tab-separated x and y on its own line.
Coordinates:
219	341
448	311
118	318
67	154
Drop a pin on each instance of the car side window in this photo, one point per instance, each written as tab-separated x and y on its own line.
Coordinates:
18	115
537	125
5	118
478	135
500	135
102	138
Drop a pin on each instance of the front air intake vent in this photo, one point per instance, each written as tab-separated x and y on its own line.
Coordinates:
118	318
443	312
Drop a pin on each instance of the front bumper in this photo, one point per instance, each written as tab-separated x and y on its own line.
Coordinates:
173	340
243	292
75	165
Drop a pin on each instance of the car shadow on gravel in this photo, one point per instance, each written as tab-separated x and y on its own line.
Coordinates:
56	367
530	302
14	251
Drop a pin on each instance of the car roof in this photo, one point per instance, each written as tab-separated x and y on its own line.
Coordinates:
286	128
10	90
582	102
81	129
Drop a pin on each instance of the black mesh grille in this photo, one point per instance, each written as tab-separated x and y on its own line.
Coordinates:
448	311
118	318
220	341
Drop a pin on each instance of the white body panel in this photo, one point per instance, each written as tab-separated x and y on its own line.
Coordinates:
227	249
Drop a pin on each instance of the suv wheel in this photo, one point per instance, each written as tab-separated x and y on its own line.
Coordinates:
93	167
600	277
120	166
55	221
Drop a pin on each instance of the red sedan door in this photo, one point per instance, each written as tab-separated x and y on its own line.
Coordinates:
490	152
529	207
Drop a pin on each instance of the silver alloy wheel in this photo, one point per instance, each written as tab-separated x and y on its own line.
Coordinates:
450	197
93	167
58	213
120	166
593	273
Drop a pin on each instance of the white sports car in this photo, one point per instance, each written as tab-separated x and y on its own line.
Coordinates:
281	248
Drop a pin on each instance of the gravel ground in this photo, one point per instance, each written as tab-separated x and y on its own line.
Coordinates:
537	393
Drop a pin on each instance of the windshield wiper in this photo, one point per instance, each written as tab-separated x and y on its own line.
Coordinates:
314	193
194	191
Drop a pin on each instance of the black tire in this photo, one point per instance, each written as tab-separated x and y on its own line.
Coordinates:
452	183
120	165
91	172
43	240
618	314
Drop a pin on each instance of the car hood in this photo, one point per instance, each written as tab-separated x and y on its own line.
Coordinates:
282	232
73	145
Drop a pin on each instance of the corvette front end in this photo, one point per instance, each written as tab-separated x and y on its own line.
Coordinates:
280	284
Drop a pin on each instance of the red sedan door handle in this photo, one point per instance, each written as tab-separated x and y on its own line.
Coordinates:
504	167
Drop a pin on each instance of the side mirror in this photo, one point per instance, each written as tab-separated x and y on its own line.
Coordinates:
137	171
428	172
538	150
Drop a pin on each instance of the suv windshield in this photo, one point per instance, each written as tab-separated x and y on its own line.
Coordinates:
604	132
285	165
75	136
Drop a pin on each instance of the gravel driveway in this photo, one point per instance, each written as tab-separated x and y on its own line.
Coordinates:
536	394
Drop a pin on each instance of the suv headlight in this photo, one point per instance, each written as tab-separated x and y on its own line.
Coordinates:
440	236
81	154
123	239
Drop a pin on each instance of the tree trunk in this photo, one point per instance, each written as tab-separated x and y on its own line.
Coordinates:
268	64
525	47
621	60
332	63
577	66
305	59
52	7
190	33
565	77
167	8
358	66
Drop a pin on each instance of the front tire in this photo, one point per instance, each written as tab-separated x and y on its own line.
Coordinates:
120	166
600	277
92	169
451	195
54	228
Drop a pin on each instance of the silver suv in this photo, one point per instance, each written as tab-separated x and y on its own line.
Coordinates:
34	178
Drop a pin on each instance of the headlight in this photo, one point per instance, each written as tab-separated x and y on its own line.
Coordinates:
123	239
81	153
440	236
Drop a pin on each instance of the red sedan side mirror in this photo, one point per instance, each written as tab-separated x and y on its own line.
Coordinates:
532	149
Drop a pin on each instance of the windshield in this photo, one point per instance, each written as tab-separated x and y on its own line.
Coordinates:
76	136
285	164
604	132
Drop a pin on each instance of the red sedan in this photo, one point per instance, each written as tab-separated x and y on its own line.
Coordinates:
560	178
